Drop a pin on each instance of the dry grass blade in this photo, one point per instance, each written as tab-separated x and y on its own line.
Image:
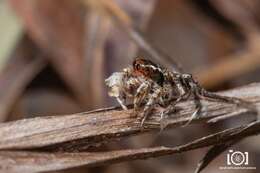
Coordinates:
233	66
14	88
235	137
97	31
49	23
23	65
106	44
123	20
17	161
214	152
88	129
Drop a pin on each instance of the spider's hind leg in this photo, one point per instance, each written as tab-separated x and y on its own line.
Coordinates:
232	100
204	94
170	108
172	105
198	107
191	87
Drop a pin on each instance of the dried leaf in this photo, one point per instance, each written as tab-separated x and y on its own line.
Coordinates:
22	67
214	152
58	28
93	128
107	47
17	161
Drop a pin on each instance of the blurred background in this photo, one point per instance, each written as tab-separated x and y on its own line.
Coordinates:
55	55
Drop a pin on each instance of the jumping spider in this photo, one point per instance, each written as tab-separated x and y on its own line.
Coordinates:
149	84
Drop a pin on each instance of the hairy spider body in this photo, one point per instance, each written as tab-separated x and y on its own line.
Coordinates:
150	84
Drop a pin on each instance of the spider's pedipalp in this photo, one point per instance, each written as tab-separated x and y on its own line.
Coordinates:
121	102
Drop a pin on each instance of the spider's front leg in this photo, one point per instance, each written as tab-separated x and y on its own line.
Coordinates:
140	96
150	103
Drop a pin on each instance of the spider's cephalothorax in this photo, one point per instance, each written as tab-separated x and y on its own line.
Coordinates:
149	84
149	69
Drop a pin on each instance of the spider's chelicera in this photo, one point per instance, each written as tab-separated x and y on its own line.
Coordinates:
149	84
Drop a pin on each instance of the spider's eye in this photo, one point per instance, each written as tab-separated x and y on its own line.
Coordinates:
137	66
187	76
